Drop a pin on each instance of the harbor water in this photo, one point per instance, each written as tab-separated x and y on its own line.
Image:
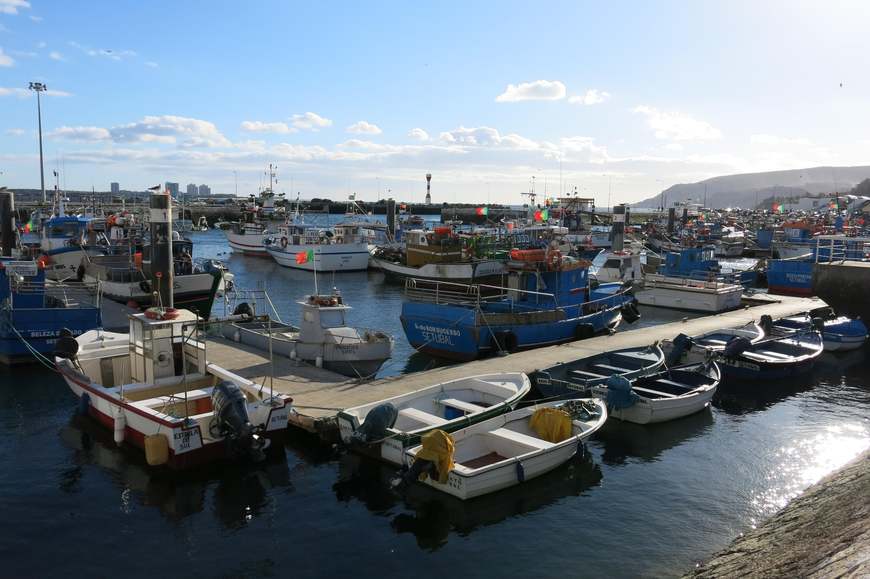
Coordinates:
643	501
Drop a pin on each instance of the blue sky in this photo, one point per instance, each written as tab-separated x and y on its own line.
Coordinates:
348	97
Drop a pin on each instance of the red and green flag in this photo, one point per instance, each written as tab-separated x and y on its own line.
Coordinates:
28	227
778	208
542	215
833	205
482	211
304	257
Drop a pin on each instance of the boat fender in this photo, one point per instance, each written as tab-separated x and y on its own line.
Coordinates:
120	427
376	424
156	449
584	331
736	346
145	286
84	404
630	313
766	323
521	472
283	242
244	309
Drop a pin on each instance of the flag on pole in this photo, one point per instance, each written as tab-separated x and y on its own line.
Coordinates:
304	257
482	211
778	208
542	215
28	227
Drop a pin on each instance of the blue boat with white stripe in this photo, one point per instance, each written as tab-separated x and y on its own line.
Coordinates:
545	301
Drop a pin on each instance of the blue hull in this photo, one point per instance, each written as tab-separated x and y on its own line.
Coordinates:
40	328
745	370
460	333
790	277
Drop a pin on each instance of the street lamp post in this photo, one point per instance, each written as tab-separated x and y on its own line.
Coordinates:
39	87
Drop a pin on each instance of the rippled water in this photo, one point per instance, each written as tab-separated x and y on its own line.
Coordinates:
645	501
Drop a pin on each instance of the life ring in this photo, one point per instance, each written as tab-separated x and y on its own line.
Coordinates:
284	242
161	313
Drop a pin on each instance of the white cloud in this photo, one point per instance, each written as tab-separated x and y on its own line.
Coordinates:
14	132
186	131
538	90
677	126
110	53
763	139
5	59
55	55
364	128
674	147
151	64
593	96
80	134
36	18
418	134
24	93
12	6
310	121
261	127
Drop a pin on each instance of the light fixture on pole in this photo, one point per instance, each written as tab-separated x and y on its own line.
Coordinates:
39	87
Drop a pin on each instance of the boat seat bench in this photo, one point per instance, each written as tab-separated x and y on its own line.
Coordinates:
421	416
672	383
468	407
656	392
612	368
584	375
521	438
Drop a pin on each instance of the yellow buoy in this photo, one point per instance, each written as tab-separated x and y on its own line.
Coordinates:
156	449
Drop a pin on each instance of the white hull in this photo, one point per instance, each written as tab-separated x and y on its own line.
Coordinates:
524	455
198	284
650	411
251	243
785	250
452	272
336	257
728	250
680	294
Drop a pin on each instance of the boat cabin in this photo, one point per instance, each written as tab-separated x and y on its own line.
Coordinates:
323	318
162	349
690	261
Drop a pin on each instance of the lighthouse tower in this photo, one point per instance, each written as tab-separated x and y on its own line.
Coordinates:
428	185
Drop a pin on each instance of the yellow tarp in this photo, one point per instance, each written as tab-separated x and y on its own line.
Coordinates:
551	424
438	447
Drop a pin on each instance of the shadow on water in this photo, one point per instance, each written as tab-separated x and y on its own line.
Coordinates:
621	441
435	514
239	492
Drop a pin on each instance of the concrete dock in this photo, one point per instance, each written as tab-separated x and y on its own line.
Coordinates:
318	395
823	533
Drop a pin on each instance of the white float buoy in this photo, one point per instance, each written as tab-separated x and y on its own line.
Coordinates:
120	426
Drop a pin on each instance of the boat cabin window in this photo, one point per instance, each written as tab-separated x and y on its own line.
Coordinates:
331	318
68	229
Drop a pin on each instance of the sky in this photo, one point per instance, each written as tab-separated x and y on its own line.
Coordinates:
615	100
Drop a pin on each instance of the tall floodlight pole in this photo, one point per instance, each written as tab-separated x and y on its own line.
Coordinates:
39	87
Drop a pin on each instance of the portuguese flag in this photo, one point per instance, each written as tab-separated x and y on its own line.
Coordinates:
28	227
542	215
778	208
482	211
304	257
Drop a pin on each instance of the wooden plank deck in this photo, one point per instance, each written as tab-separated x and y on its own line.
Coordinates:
319	394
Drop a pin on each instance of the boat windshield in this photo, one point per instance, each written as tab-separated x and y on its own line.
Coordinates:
331	318
64	229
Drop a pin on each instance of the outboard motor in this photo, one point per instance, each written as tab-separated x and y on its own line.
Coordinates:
766	323
244	309
408	475
66	346
736	346
819	325
682	344
379	419
619	393
231	421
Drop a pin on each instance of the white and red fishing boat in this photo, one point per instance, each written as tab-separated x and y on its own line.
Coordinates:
157	391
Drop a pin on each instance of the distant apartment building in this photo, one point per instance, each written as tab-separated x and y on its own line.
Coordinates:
172	188
192	189
204	190
115	187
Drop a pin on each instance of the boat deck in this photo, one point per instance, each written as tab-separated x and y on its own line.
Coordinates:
318	395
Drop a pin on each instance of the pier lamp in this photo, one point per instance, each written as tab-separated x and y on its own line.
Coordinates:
39	87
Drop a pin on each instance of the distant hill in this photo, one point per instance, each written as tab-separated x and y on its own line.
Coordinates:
743	190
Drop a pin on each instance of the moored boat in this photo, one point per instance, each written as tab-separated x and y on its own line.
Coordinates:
384	429
771	358
840	333
510	449
156	389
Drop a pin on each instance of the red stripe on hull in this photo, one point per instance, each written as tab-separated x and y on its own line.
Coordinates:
790	291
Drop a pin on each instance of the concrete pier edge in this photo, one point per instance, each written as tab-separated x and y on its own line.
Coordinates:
825	532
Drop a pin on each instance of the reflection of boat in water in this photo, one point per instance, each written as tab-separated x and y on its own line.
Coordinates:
238	492
621	441
432	515
745	397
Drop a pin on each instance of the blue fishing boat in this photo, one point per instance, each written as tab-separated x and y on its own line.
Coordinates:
700	263
840	333
35	313
794	275
547	300
771	358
